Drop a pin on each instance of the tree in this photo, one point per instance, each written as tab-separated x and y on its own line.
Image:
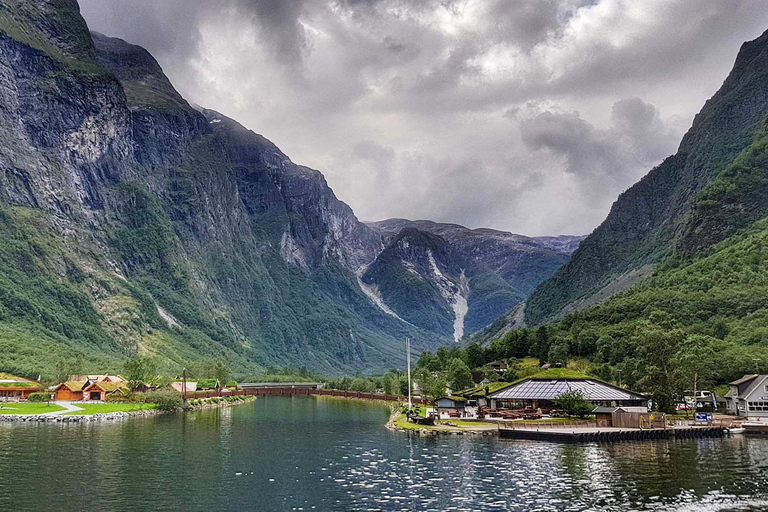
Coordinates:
460	375
66	368
542	343
140	371
558	354
574	404
475	356
657	349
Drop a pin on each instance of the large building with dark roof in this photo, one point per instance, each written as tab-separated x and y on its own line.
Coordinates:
538	392
748	396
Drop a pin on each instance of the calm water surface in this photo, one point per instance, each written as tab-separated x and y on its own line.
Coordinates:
305	453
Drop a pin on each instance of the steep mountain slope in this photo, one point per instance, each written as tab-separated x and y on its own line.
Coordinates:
453	280
134	222
646	220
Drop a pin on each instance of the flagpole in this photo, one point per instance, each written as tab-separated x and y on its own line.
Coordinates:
408	358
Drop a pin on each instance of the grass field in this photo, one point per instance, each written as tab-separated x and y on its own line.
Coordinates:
89	409
29	408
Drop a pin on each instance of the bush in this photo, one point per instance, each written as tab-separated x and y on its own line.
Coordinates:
164	399
40	396
119	397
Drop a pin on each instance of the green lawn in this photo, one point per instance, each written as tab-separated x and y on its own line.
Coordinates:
28	408
109	407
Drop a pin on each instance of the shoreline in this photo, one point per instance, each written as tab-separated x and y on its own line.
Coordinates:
204	403
397	422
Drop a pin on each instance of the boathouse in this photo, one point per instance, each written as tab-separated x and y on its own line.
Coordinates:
748	396
540	392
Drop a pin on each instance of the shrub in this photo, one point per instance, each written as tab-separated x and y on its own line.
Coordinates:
40	396
165	399
120	397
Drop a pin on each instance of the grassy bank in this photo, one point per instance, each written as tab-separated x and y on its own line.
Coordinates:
88	409
29	408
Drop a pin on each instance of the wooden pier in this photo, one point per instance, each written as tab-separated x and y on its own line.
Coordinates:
608	435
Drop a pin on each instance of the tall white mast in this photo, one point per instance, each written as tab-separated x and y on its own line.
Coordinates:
408	358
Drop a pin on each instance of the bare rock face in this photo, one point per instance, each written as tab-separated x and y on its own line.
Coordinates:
123	206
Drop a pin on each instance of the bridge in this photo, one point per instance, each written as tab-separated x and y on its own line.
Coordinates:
300	388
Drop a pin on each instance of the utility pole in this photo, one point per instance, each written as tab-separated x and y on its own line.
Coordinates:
695	394
408	359
183	383
757	366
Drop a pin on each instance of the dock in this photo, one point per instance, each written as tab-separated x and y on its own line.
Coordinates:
608	434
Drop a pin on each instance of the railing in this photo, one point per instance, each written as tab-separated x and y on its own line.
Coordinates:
547	424
305	391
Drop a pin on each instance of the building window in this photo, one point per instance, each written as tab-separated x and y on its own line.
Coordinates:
758	406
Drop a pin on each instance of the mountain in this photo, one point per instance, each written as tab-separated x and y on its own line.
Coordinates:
647	221
132	221
452	280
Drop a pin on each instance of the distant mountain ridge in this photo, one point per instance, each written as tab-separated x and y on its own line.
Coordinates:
454	280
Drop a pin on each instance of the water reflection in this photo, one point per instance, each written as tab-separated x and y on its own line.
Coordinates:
302	453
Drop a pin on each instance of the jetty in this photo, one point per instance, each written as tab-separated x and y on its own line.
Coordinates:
608	434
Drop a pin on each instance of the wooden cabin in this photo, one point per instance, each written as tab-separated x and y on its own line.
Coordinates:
75	387
98	391
69	390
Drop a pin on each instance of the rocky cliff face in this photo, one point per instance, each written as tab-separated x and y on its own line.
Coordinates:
453	280
647	219
135	222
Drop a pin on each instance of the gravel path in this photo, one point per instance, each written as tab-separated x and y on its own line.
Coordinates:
66	405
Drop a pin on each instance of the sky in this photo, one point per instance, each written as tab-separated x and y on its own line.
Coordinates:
529	116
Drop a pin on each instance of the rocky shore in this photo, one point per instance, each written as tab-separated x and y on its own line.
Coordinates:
76	418
115	416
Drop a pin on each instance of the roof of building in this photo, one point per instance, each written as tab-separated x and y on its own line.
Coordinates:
9	382
744	379
72	385
757	381
191	386
454	398
534	388
604	410
107	387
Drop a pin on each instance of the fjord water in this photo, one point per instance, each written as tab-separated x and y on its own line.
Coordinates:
306	453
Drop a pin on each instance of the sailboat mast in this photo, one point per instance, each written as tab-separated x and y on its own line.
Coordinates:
408	358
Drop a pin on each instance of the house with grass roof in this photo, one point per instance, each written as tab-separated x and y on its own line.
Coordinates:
69	390
98	391
14	387
75	387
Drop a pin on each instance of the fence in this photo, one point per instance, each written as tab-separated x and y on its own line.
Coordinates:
306	391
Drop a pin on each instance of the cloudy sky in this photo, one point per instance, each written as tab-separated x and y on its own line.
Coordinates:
524	115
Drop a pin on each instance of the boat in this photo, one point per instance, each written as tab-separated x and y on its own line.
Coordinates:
755	427
735	430
421	420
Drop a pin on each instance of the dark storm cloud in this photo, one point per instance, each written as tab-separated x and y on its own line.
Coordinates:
472	111
602	160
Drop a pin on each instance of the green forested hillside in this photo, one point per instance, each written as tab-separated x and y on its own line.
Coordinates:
646	221
704	312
